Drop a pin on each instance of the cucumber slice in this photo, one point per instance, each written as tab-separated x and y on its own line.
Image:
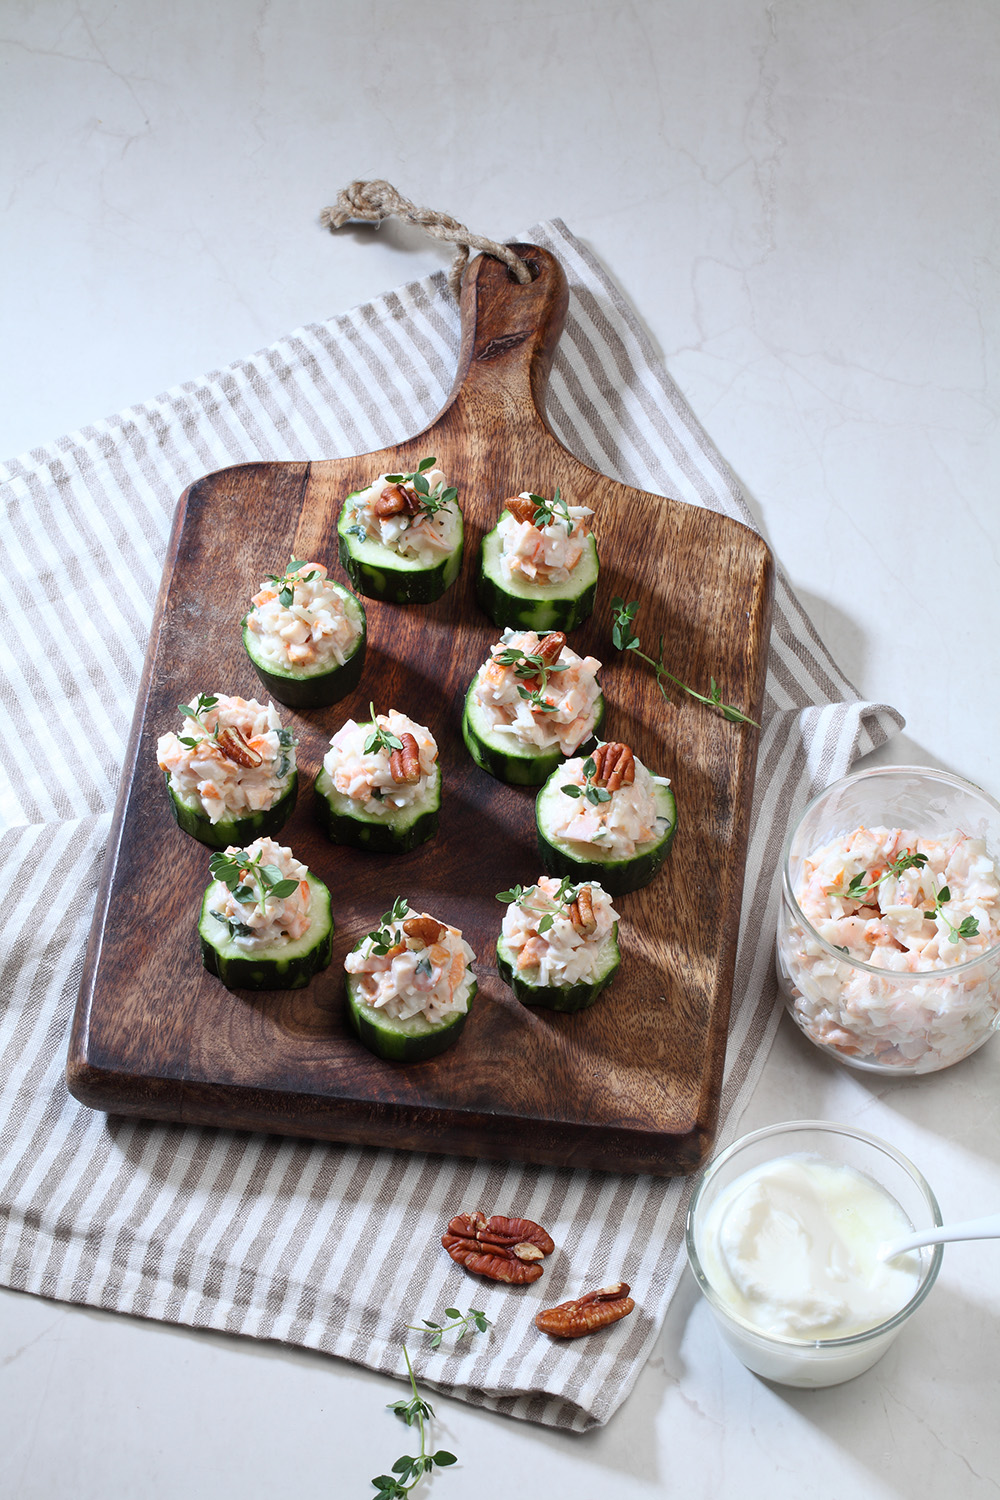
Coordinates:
314	686
585	861
381	573
409	1041
234	831
565	997
502	757
535	606
283	965
393	832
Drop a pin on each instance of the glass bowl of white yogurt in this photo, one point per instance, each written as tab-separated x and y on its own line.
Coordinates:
888	946
783	1233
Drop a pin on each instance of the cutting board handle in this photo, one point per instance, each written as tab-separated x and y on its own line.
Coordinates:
509	335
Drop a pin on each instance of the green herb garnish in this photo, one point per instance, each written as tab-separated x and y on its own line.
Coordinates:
197	712
860	886
380	739
969	926
563	899
594	794
624	637
408	1470
286	581
431	500
383	938
547	511
528	667
250	881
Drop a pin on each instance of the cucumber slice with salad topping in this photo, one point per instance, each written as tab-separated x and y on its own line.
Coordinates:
564	997
395	760
234	831
538	566
401	539
304	602
257	931
558	946
502	756
620	863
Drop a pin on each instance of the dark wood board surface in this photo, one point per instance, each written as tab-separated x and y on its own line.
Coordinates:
632	1084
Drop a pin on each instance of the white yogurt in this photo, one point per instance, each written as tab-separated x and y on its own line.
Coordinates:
790	1250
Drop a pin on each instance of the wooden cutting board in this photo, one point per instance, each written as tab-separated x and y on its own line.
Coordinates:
632	1084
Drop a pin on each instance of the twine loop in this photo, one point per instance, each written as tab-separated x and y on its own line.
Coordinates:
378	200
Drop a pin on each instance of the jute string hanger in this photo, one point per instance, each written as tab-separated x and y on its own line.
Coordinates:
378	200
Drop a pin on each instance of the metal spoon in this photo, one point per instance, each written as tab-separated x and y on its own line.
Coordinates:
939	1234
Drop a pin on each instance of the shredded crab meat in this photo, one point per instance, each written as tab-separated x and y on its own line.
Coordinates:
542	554
205	777
561	955
314	631
366	776
427	538
282	919
433	980
928	1010
619	826
572	696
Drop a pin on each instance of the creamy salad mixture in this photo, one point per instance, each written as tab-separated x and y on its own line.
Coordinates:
572	696
313	630
254	923
233	758
424	971
366	776
926	1010
561	954
541	554
617	826
414	532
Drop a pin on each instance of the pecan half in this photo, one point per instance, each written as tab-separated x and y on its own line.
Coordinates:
521	509
234	746
404	763
571	1320
502	1249
581	912
614	766
426	930
395	501
550	647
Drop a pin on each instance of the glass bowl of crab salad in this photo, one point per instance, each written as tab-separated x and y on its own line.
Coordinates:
888	950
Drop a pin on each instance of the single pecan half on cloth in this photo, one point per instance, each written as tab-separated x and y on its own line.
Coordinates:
571	1320
502	1249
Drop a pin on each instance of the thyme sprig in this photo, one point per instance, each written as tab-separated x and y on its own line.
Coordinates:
383	937
250	881
285	582
594	794
408	1470
563	899
380	739
547	511
528	666
431	500
861	886
624	637
197	711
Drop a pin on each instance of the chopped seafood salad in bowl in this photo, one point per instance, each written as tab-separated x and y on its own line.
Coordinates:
554	703
546	552
232	757
301	620
888	950
413	515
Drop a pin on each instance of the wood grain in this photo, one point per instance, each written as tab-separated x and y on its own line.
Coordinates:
631	1085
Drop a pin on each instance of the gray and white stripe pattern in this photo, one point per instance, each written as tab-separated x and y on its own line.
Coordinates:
333	1248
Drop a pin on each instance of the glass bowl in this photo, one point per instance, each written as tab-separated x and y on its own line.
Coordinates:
794	1359
887	1020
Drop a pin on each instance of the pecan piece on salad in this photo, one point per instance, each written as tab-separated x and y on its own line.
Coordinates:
571	1320
614	766
550	647
426	930
521	508
581	912
235	747
393	501
503	1249
404	763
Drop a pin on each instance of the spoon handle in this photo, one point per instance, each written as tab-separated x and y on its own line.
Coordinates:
971	1229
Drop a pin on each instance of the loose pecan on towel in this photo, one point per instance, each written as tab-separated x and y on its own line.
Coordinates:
571	1320
502	1249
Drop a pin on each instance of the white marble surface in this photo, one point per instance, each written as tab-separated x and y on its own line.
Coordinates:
800	199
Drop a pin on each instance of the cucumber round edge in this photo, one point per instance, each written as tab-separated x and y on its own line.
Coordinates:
519	769
238	832
408	828
572	997
288	966
316	689
379	573
409	1041
536	606
618	877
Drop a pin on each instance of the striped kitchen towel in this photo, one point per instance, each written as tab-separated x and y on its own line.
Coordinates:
287	1239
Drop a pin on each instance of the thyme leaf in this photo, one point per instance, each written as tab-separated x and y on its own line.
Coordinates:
380	739
547	511
285	582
